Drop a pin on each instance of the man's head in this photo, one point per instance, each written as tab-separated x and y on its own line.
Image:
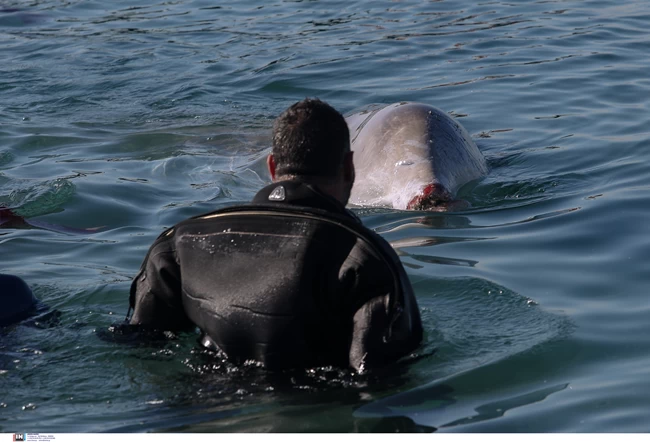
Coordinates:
311	143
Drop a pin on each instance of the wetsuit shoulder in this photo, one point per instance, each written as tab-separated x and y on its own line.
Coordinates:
156	292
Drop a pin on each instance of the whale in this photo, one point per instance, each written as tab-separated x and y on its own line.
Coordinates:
17	302
411	156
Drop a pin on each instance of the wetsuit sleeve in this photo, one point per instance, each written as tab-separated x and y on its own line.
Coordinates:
156	296
387	326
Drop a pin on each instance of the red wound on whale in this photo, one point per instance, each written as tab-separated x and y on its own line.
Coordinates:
431	196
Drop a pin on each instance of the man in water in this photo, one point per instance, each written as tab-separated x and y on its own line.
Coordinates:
292	279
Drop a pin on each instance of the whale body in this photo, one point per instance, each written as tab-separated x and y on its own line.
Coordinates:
411	156
17	301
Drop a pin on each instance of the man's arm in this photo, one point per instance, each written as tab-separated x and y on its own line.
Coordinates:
156	296
387	324
382	334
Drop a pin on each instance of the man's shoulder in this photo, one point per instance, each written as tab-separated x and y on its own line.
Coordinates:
370	244
162	245
377	246
270	209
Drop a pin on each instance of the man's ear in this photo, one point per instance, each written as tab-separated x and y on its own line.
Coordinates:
270	162
348	168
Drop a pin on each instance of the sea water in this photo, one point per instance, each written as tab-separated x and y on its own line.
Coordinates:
130	116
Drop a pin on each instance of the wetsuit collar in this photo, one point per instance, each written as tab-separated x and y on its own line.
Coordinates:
298	193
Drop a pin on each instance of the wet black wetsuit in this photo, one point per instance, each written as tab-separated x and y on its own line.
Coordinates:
291	280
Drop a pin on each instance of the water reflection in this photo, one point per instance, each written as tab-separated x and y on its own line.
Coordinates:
496	409
445	407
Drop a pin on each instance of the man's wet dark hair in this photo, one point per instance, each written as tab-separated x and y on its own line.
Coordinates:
310	138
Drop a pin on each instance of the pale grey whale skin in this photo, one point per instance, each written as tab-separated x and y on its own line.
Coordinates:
411	156
16	300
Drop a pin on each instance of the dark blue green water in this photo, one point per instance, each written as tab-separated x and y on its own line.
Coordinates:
134	115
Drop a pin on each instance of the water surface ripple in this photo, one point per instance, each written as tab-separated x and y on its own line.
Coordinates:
130	116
